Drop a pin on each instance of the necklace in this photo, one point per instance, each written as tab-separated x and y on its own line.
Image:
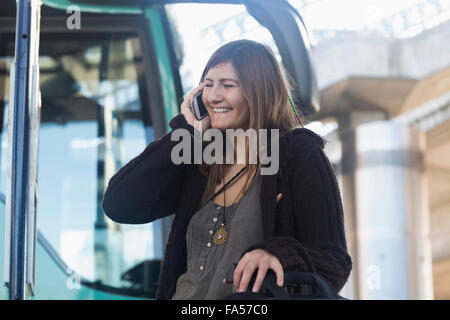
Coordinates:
221	235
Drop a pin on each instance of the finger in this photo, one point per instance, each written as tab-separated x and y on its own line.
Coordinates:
278	268
279	196
195	91
187	99
246	276
262	271
238	272
186	107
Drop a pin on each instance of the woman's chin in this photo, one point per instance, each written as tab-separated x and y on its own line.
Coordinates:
220	125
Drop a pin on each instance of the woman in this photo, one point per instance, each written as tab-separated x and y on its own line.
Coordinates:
231	213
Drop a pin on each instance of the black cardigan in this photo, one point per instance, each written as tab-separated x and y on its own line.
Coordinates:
304	230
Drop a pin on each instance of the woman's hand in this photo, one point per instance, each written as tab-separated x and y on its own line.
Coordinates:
200	125
256	259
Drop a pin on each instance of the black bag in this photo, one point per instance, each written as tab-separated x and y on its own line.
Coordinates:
297	286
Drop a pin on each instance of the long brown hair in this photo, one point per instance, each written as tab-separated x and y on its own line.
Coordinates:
265	91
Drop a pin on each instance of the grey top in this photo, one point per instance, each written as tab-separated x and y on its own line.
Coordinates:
207	262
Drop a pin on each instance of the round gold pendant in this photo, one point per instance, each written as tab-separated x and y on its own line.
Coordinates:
221	235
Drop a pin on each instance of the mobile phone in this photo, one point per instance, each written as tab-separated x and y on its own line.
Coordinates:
198	107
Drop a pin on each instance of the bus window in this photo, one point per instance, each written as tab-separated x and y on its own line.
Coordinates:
197	38
93	110
95	118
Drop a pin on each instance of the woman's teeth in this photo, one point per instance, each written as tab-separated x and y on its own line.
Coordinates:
222	110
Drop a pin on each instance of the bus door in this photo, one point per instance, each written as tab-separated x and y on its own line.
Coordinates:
108	89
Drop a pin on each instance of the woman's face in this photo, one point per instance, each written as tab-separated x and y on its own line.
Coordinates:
224	99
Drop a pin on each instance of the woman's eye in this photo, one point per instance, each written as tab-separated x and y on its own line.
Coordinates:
225	85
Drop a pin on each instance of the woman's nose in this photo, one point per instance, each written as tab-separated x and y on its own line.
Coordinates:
214	95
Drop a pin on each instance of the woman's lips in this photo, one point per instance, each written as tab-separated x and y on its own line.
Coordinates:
222	110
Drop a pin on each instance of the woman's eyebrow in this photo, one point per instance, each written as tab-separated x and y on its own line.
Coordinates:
223	79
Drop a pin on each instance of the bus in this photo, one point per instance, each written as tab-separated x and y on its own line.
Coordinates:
85	85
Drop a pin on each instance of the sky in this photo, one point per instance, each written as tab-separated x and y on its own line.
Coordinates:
350	14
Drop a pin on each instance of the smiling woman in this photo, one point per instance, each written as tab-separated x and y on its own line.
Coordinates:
243	77
224	98
227	214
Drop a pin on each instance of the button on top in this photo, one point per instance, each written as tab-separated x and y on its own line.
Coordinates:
209	244
214	219
202	267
